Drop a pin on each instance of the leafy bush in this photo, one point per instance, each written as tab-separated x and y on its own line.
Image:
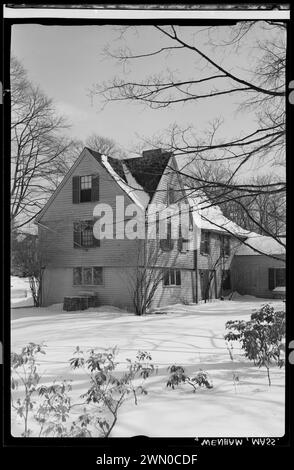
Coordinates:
107	390
261	337
178	376
29	378
51	405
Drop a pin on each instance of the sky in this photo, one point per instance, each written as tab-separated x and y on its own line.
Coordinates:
66	61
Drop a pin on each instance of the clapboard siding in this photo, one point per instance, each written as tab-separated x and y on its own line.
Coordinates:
57	237
58	283
250	274
214	262
168	295
173	257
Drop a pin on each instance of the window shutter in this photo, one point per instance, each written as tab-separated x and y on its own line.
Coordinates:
95	188
180	244
77	235
76	189
96	241
271	278
208	243
178	277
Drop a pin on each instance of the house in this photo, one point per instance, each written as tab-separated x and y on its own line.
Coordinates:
77	262
254	272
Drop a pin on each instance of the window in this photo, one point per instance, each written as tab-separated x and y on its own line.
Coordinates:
225	245
183	243
171	196
205	242
83	234
88	276
184	229
85	188
172	277
276	278
166	244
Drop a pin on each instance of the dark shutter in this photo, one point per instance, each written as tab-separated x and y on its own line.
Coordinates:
208	243
95	188
180	239
96	241
76	189
77	235
271	278
178	277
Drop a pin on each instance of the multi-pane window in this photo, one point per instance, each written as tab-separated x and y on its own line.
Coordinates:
172	277
171	196
83	234
276	278
205	242
183	242
88	276
166	244
85	188
225	245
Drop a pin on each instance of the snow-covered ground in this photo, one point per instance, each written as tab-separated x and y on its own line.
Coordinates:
191	336
20	292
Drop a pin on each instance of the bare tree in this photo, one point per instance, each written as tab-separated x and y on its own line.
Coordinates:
104	145
260	211
260	91
28	259
146	276
37	146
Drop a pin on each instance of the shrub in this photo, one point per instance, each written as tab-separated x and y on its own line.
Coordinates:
178	376
51	405
24	372
108	390
261	337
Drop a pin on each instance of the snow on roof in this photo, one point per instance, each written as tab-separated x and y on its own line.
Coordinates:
211	217
137	194
267	245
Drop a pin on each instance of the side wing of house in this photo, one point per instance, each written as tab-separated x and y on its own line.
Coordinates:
260	273
173	255
74	260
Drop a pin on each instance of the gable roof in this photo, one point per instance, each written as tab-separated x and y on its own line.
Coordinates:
115	163
211	217
266	245
148	169
60	186
115	168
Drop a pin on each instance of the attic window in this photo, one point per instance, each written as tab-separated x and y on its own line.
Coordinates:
171	196
166	244
85	188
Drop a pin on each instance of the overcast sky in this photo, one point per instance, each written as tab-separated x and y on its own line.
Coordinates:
67	60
